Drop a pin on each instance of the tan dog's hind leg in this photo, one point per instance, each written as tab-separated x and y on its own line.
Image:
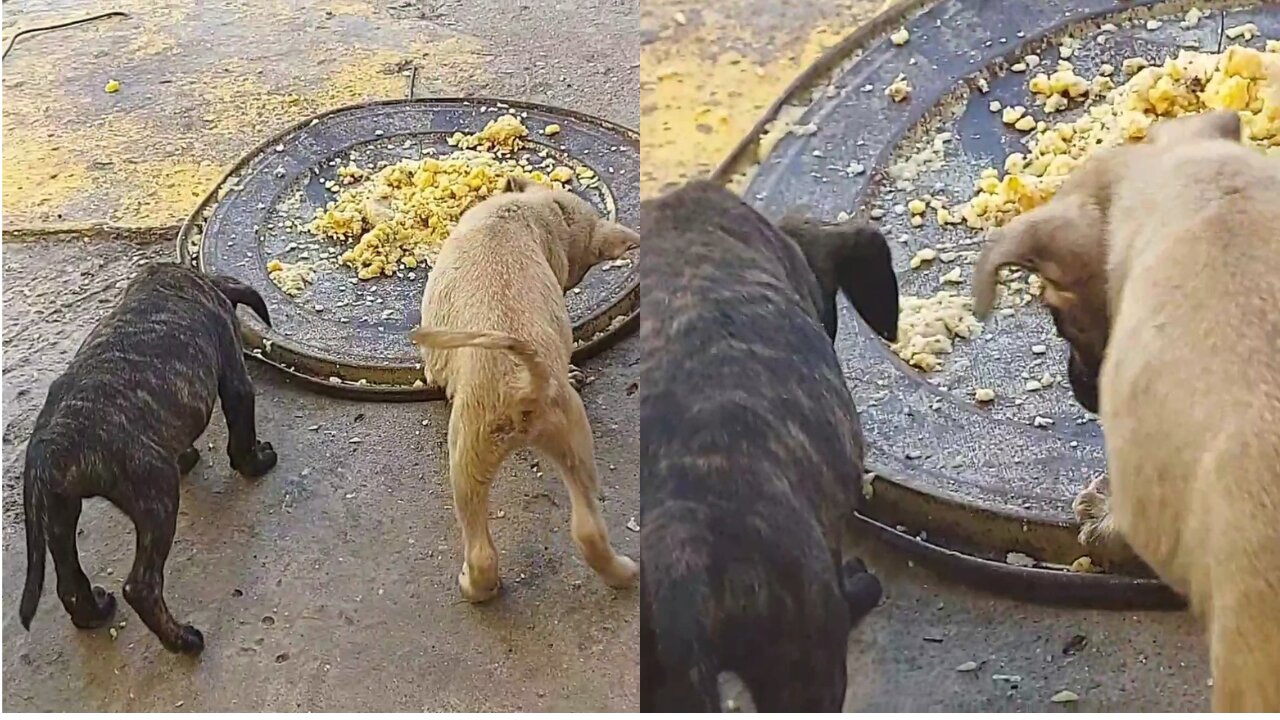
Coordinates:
474	458
566	441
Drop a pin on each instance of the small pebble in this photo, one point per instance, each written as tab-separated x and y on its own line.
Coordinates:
1066	696
967	666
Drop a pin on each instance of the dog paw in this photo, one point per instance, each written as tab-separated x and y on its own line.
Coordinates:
1091	509
189	641
475	593
187	460
259	462
861	590
577	378
99	614
623	574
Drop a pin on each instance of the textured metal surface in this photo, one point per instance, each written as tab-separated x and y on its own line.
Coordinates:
351	337
981	479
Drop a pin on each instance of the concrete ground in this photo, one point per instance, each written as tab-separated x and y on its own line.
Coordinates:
707	72
328	584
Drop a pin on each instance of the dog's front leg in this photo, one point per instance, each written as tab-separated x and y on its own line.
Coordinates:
249	456
1093	511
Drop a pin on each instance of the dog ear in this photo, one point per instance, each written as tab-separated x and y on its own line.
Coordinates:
1061	241
855	259
515	183
613	239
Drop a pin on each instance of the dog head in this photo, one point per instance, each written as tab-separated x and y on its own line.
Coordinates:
1216	125
853	258
590	239
1064	242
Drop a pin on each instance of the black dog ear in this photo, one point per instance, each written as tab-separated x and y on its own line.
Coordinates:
855	259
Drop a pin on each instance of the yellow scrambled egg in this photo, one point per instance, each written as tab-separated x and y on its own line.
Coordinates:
1239	79
399	216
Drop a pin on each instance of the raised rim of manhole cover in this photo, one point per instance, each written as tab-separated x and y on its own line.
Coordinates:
350	337
961	484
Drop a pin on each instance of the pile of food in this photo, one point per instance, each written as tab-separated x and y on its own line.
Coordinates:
397	217
1241	79
1110	113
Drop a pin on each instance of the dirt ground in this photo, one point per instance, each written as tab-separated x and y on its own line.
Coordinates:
327	585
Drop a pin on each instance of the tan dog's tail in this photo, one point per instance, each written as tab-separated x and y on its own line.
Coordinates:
539	373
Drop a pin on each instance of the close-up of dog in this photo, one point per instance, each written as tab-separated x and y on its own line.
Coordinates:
120	423
1160	261
496	336
751	453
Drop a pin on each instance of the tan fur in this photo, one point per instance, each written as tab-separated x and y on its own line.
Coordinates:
1189	246
497	336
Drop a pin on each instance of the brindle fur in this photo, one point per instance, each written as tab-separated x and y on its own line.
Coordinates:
120	423
751	451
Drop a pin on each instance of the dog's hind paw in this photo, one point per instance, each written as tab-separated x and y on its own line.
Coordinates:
189	641
577	378
99	614
258	463
1091	508
623	574
861	590
187	460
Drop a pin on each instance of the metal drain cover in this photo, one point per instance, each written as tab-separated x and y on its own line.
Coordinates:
959	478
349	336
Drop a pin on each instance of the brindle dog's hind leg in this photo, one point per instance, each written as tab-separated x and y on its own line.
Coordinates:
152	504
89	607
249	456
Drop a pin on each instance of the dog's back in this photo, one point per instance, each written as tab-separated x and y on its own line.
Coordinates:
1192	396
750	451
495	261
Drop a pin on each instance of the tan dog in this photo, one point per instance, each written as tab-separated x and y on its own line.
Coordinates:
1167	255
497	337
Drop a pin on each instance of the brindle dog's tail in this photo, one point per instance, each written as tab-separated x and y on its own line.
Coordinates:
539	373
240	294
679	658
35	483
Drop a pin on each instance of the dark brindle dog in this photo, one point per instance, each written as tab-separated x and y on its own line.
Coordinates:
120	423
751	453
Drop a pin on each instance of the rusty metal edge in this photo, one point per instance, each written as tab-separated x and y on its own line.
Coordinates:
598	341
145	234
829	60
918	507
1038	585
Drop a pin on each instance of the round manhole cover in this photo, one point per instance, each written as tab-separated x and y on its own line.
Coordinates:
992	480
348	334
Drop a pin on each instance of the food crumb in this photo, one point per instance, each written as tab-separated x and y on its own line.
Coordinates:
900	37
112	86
899	89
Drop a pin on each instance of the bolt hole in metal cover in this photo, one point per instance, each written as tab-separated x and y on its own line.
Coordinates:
958	483
350	337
